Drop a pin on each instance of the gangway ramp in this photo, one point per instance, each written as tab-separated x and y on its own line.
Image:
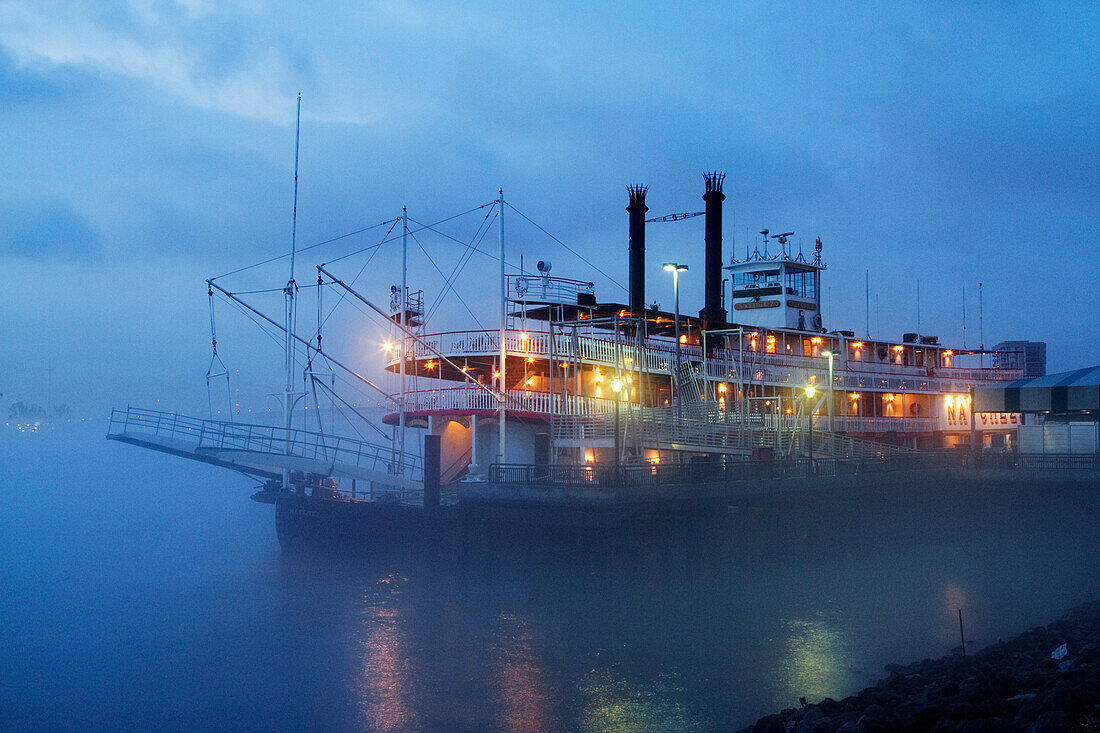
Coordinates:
266	451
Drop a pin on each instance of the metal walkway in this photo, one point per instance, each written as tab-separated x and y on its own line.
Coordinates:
703	428
266	451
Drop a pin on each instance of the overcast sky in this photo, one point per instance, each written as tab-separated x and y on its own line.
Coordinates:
149	145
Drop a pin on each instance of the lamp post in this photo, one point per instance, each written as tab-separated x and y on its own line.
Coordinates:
676	269
617	388
810	392
830	354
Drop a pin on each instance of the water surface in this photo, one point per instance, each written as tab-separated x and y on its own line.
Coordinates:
142	591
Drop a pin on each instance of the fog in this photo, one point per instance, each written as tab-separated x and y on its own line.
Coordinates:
151	145
145	591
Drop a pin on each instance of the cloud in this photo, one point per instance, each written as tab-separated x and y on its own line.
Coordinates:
201	59
46	228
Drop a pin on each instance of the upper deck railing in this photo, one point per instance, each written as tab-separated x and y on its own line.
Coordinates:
469	397
659	357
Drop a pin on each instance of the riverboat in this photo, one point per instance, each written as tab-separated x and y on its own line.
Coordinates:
570	383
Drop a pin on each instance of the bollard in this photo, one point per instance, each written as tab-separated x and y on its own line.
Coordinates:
431	471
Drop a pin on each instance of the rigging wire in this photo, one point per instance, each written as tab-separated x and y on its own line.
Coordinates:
270	290
563	244
344	293
449	282
215	357
362	417
423	226
490	255
304	249
460	299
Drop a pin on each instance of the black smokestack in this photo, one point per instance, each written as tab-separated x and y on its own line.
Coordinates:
637	210
713	312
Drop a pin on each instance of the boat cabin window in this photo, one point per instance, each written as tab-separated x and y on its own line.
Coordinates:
802	283
760	278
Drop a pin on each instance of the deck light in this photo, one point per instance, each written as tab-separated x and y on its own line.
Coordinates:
616	385
810	392
676	268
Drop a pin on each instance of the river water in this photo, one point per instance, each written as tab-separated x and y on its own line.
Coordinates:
141	591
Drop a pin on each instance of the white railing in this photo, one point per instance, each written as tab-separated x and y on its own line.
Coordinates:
522	400
233	436
468	399
714	430
536	289
755	367
848	424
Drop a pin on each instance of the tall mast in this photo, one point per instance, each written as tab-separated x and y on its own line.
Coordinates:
403	343
503	323
289	297
981	329
964	316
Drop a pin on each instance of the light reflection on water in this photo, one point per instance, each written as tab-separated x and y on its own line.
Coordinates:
140	593
818	659
387	672
612	703
524	694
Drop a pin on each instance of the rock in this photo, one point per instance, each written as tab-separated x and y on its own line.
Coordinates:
985	725
769	724
1052	721
1058	698
877	722
848	727
1022	698
1085	685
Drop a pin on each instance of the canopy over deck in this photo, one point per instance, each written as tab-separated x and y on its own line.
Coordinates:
1066	392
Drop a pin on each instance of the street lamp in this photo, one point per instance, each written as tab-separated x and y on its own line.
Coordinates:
617	387
810	392
676	269
830	354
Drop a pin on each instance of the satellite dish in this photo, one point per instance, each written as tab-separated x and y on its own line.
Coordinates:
544	267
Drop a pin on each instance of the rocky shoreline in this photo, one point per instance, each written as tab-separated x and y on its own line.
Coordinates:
1029	683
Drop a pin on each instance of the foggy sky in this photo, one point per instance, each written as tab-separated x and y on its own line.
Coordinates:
149	145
